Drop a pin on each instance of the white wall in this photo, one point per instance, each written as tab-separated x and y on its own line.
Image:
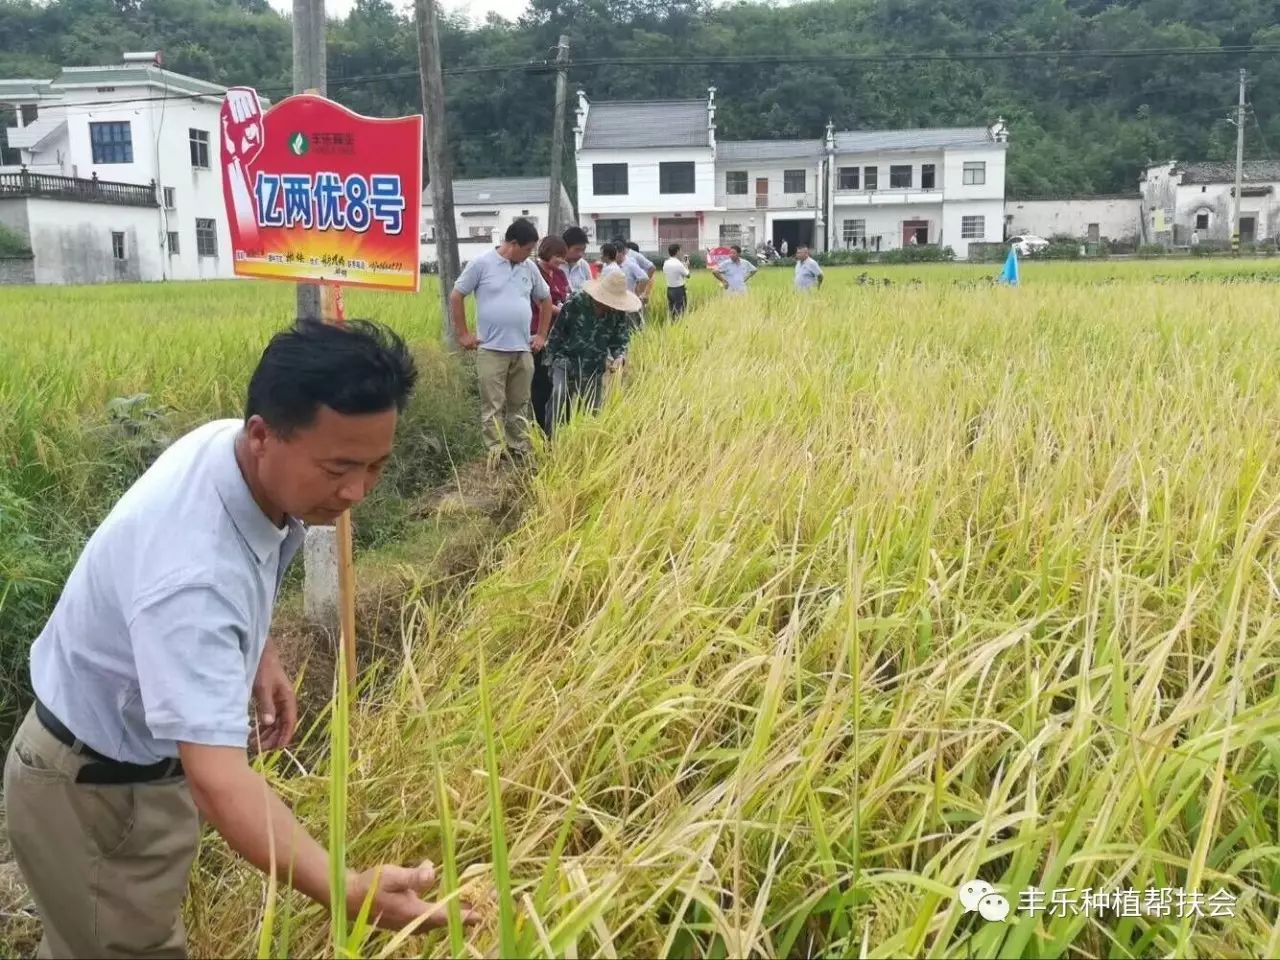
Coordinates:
1116	217
953	185
72	242
642	182
953	214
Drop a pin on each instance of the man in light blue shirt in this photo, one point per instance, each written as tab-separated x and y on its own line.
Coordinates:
808	273
145	672
734	272
503	281
575	265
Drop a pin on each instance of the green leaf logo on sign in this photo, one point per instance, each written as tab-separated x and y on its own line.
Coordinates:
298	144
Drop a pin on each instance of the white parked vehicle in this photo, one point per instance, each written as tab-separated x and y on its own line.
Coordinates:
1028	244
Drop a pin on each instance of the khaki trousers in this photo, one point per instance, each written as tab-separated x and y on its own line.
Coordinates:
505	381
107	865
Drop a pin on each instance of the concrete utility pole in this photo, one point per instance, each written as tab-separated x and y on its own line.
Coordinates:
1235	207
554	224
439	165
309	74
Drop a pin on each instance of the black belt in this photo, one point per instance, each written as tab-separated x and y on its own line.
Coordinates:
104	770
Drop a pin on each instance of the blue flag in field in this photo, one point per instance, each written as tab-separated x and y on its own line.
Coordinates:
1009	274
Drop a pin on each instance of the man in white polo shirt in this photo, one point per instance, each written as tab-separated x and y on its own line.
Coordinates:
144	672
808	273
503	281
734	272
676	272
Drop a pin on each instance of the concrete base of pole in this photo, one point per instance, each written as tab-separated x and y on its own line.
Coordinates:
320	582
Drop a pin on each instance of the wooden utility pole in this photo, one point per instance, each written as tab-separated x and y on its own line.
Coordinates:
1235	207
554	224
309	75
439	165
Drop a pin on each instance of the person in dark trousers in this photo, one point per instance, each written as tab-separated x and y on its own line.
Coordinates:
676	272
589	338
551	257
155	675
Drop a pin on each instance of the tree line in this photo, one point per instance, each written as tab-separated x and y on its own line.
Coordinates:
1077	126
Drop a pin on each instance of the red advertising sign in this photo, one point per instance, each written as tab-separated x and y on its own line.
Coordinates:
317	193
716	254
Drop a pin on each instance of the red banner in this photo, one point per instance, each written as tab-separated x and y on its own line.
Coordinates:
716	254
317	193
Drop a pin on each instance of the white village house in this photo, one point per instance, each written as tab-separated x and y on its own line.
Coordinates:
1179	198
111	173
655	172
1089	219
484	208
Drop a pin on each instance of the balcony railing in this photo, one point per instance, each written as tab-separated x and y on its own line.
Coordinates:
771	201
52	187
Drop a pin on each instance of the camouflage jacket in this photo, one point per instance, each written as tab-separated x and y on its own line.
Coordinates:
584	339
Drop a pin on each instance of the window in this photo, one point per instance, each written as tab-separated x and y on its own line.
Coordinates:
9	156
169	198
173	243
609	179
730	233
854	232
928	176
618	229
198	140
870	178
793	181
111	142
735	183
975	173
900	175
972	228
675	177
849	178
117	245
1202	221
206	237
480	232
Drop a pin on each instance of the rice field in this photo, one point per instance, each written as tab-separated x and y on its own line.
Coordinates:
843	602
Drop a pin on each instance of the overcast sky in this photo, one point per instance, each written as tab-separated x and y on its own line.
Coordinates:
475	9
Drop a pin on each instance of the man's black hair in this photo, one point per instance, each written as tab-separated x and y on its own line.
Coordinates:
358	368
609	252
673	249
574	237
632	245
619	243
522	232
736	249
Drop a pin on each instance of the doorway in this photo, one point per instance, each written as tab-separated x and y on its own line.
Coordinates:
681	230
762	193
1248	229
794	232
919	229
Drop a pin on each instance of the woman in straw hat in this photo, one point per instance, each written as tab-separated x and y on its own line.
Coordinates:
589	337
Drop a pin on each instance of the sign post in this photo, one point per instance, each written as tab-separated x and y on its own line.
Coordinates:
315	193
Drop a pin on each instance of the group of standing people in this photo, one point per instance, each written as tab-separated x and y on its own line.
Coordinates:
548	328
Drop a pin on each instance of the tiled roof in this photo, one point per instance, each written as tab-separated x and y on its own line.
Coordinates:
761	150
615	125
938	138
1224	171
498	190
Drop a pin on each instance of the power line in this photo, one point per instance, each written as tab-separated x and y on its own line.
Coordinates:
548	66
